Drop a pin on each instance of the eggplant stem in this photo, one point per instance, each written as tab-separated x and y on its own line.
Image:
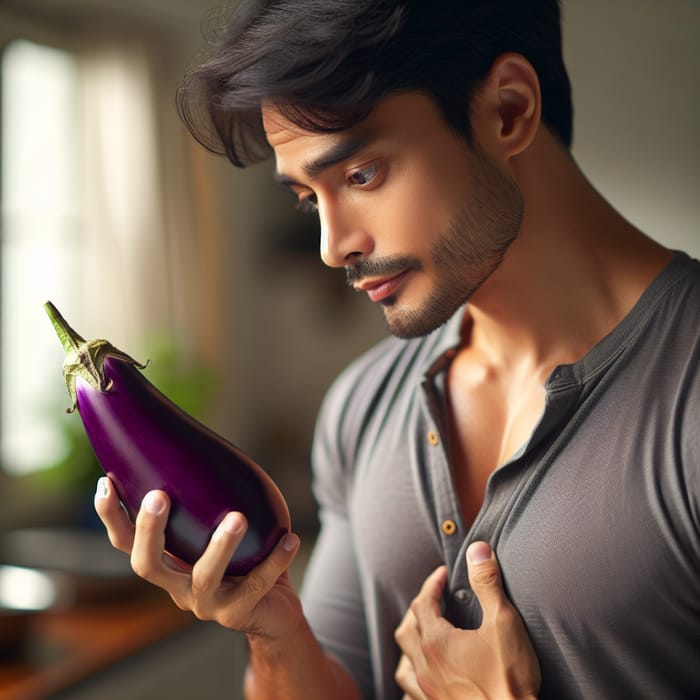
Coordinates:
84	358
68	337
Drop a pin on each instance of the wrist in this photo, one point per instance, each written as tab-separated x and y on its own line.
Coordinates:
294	667
266	652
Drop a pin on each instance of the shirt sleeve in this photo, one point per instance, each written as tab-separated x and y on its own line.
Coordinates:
690	439
331	592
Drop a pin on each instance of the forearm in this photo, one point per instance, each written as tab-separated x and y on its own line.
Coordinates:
296	670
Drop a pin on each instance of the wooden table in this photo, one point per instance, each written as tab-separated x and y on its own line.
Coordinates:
63	648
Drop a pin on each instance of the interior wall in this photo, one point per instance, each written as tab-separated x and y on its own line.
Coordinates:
635	67
289	325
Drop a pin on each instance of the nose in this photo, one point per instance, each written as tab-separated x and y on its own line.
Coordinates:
342	242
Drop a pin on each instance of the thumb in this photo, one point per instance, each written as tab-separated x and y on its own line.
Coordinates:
485	577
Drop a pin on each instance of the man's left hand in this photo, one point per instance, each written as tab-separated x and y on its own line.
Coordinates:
442	662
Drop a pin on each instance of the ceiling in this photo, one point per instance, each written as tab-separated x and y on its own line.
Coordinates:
184	13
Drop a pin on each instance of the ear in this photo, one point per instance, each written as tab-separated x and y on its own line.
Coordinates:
507	109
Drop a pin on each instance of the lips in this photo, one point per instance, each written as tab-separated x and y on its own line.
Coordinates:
381	288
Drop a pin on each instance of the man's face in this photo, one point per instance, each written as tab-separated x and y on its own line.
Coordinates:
418	219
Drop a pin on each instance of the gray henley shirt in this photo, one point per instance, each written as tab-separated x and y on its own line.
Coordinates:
595	521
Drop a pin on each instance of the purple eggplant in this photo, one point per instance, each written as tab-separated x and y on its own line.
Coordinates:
144	441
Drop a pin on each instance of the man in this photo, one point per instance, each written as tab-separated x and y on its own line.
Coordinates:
540	395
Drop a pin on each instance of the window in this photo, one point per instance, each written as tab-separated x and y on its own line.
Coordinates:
40	243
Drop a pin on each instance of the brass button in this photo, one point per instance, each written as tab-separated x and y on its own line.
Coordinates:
449	527
462	595
433	438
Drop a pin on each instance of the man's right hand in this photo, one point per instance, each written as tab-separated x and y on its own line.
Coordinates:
262	603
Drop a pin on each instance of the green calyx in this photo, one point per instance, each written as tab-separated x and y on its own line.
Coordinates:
84	358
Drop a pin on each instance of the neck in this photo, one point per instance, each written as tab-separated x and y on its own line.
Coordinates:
576	269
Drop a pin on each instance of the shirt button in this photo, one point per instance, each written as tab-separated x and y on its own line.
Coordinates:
462	595
449	527
433	438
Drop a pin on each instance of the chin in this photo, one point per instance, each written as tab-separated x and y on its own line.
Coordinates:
411	323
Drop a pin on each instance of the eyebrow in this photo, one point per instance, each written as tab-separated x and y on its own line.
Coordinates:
337	153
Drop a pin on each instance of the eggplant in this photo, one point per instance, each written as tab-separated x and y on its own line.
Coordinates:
144	441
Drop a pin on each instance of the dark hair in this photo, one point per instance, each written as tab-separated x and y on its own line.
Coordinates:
326	64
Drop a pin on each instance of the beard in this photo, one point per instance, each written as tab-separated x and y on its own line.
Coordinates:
464	256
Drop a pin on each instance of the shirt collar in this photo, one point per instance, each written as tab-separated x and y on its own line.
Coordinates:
443	344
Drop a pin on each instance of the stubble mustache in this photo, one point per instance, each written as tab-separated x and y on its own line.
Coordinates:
383	267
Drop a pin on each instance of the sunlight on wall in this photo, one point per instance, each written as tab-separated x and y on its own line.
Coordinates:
40	224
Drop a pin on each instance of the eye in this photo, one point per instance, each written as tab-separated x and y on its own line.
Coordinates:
364	176
308	205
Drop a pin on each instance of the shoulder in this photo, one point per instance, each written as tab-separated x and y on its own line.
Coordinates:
377	386
683	275
669	310
346	412
675	335
678	313
390	363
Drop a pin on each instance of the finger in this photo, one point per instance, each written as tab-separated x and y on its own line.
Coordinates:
426	605
407	635
120	529
237	602
149	540
485	578
405	678
264	576
210	569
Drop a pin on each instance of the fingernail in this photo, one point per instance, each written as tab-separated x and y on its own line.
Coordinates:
478	552
231	524
290	542
153	503
102	490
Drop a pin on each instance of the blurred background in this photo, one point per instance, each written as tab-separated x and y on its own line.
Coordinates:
112	211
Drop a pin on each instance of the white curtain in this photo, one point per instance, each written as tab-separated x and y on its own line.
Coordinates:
131	253
126	274
152	260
